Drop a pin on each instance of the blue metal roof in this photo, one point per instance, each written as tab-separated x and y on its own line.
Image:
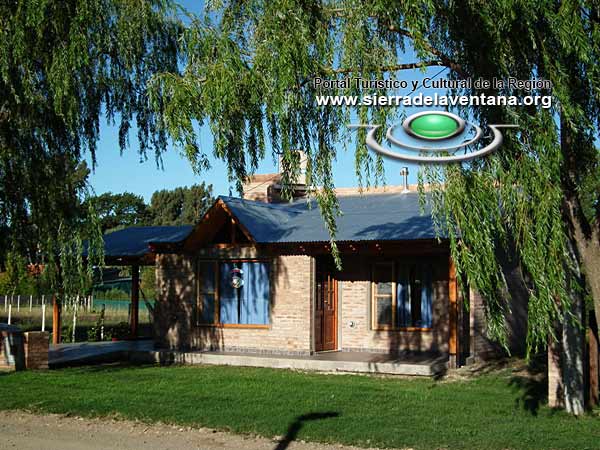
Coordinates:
134	241
369	217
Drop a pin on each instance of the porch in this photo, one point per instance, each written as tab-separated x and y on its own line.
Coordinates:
351	362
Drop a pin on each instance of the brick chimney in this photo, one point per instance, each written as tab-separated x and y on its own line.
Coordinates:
267	187
260	187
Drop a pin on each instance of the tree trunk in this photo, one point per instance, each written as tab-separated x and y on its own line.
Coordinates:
586	237
584	250
572	366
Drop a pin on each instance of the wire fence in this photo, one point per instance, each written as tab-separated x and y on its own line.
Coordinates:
81	314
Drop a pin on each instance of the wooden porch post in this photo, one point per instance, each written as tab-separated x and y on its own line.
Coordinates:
56	329
453	335
135	299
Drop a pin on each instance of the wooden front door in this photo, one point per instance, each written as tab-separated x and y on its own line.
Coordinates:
326	312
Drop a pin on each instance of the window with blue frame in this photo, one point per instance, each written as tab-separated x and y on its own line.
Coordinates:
234	292
402	296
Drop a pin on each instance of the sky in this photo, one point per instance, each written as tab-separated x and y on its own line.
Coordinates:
128	172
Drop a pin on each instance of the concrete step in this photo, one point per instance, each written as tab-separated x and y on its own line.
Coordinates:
427	367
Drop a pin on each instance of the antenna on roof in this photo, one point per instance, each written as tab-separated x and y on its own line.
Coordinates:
404	173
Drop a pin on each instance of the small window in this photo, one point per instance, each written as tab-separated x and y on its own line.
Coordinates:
383	295
402	296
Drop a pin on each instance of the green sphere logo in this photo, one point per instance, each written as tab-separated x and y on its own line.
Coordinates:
433	131
433	126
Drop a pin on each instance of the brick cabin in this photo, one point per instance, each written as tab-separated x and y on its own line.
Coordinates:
255	275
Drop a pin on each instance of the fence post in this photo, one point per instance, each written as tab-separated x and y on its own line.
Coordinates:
19	302
74	323
43	317
9	313
30	302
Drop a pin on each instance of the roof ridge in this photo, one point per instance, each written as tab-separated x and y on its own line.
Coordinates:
275	206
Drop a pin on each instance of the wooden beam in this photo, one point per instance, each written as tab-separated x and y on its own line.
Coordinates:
135	300
453	337
56	329
240	224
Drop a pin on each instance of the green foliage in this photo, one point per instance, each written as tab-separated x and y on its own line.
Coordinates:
62	65
148	282
180	206
248	75
67	333
94	333
514	201
120	210
119	331
16	272
112	294
18	279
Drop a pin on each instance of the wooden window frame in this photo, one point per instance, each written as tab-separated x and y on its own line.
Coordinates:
394	327
375	296
217	298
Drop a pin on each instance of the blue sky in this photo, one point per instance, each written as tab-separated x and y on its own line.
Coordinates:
128	173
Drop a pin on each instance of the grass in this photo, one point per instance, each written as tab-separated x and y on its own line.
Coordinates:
493	411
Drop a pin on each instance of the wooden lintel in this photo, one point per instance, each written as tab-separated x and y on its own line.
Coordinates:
453	337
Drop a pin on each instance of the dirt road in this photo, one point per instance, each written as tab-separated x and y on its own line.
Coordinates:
24	431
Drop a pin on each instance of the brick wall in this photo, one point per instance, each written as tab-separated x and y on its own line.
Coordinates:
290	309
259	187
481	347
36	349
176	299
355	303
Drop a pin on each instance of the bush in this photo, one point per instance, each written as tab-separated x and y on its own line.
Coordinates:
120	331
112	294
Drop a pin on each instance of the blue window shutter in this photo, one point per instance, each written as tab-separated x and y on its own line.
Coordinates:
255	293
227	296
403	300
426	297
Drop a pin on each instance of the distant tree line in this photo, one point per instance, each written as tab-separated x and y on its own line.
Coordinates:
179	206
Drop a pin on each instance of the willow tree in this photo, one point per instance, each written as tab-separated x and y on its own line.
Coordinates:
62	66
248	75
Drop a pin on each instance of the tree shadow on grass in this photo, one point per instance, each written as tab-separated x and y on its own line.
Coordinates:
116	366
297	424
533	393
532	385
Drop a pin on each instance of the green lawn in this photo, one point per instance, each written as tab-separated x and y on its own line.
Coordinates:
494	411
